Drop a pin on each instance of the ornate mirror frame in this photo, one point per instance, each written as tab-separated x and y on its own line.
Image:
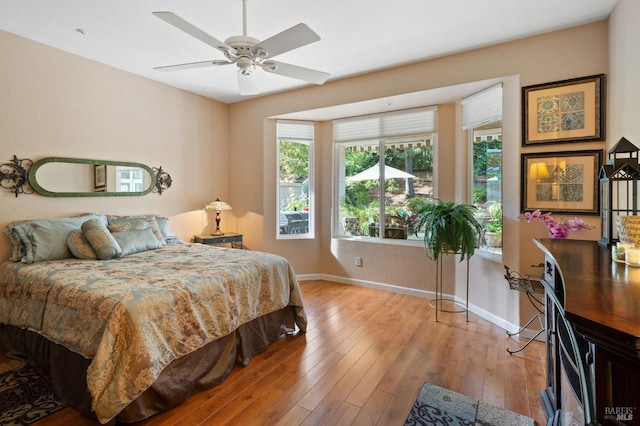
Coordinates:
19	176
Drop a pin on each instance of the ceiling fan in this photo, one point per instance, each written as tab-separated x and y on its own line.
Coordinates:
249	53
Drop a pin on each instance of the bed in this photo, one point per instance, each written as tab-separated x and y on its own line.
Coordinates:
137	333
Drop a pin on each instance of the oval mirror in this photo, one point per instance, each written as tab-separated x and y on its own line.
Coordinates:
77	177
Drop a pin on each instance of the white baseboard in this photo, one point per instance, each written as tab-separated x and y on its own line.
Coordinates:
494	319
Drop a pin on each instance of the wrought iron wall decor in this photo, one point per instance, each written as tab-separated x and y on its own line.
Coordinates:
14	176
163	180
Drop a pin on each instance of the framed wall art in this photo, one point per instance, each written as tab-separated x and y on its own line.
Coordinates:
565	182
100	177
563	111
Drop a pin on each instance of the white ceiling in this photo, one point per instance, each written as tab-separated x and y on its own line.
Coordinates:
357	36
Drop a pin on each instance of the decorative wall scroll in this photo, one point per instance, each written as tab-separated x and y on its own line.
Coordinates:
14	176
564	182
563	111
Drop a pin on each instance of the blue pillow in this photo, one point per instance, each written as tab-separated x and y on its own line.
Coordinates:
46	239
149	218
165	230
136	241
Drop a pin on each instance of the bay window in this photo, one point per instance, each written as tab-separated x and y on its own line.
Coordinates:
295	179
384	173
482	119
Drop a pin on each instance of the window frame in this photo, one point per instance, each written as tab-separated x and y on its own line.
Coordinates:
306	138
391	127
484	109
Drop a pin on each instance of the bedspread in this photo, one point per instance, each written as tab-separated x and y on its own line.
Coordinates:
134	315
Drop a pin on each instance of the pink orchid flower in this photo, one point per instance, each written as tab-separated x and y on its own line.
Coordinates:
559	229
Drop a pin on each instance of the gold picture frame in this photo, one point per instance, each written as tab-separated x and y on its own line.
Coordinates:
563	111
565	182
100	177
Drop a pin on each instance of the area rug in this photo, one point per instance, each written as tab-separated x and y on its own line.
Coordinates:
25	397
439	406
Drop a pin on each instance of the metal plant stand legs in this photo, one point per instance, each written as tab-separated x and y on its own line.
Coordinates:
437	303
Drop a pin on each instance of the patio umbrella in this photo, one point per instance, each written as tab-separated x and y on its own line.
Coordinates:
373	173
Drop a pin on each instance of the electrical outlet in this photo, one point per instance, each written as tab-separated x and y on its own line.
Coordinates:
358	261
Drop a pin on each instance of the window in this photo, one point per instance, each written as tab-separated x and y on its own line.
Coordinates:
295	195
482	118
129	179
384	167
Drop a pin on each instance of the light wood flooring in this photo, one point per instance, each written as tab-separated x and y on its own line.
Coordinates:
362	361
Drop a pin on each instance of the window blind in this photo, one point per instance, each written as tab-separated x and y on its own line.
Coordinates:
295	130
482	108
391	124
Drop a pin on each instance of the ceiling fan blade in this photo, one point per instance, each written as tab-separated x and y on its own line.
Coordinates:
192	30
296	36
190	65
247	83
294	71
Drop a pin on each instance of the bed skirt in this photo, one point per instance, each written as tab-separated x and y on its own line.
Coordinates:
207	367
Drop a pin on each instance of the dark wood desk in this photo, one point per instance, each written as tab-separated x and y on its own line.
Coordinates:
600	299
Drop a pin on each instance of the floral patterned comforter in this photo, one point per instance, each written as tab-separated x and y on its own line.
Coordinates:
134	315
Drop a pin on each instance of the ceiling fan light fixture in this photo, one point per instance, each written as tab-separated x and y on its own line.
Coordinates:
245	63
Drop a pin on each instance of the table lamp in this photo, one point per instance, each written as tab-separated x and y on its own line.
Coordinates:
217	206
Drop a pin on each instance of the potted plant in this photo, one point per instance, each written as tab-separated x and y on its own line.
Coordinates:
450	227
493	226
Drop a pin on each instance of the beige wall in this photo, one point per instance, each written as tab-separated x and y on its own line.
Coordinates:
623	84
57	104
555	56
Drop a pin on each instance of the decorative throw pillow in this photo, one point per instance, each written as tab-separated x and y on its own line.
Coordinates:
80	247
18	249
167	233
150	219
46	239
136	241
101	240
130	225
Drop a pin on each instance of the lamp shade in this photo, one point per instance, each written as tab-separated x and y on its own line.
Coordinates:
217	205
539	170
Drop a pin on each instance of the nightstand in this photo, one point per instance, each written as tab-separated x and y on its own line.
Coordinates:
234	240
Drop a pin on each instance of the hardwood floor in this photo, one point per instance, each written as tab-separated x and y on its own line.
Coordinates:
362	361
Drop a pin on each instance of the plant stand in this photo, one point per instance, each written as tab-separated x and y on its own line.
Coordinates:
438	302
529	286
